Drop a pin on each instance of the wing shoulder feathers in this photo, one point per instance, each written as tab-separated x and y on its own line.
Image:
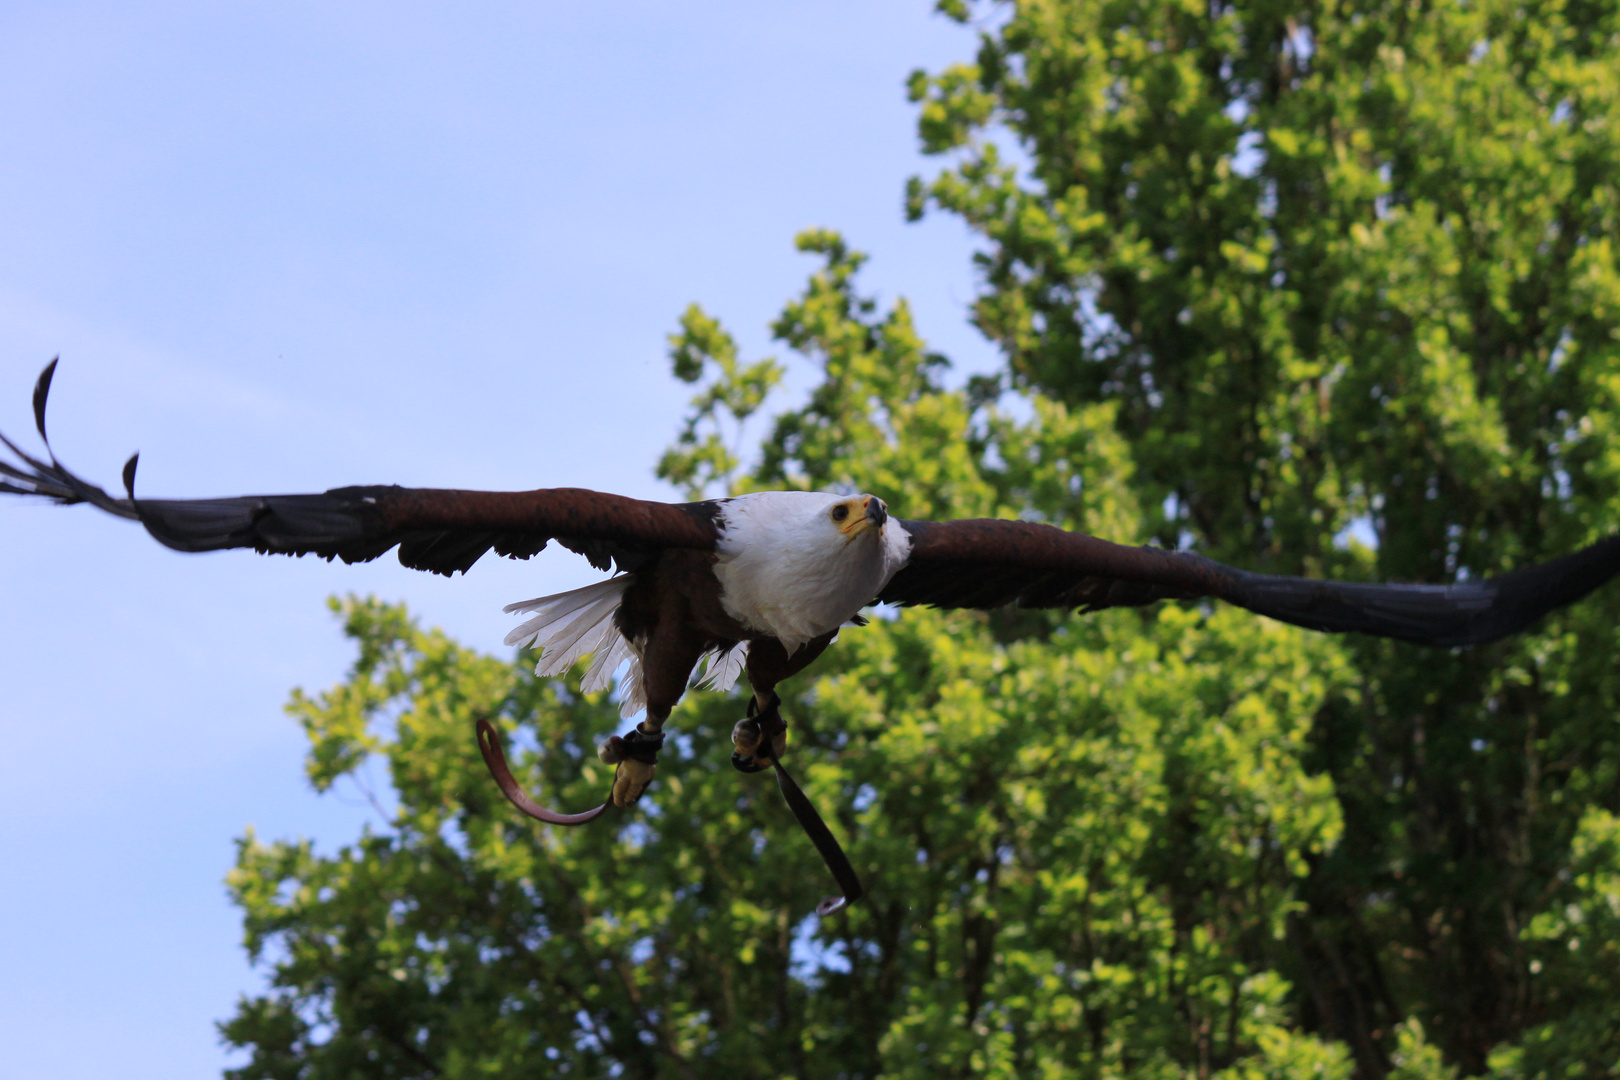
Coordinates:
987	563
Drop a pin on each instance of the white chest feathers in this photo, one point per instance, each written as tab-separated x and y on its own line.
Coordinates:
796	565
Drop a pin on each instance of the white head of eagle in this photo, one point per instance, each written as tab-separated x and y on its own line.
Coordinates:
798	564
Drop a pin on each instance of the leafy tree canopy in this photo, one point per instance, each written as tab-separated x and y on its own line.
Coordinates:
1271	282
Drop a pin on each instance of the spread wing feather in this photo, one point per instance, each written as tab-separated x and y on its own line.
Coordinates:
986	563
435	529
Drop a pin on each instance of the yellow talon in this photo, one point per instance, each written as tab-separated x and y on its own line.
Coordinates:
631	780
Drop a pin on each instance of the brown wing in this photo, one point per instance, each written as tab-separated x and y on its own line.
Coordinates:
438	530
987	563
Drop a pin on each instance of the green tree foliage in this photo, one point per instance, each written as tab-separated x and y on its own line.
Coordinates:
1348	264
1260	273
1082	838
702	457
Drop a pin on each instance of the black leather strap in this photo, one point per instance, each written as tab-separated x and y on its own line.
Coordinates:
641	746
644	747
831	853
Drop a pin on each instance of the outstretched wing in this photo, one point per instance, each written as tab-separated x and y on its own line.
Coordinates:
987	563
435	529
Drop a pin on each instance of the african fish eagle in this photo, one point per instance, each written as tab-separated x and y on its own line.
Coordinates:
762	583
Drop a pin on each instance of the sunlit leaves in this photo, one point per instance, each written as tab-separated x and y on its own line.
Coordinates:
702	457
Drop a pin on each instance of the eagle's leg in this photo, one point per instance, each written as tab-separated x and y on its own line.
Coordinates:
762	736
666	661
636	756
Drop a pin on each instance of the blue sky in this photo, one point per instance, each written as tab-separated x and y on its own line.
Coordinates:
290	246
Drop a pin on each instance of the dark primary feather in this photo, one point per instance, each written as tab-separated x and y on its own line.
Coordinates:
435	529
988	563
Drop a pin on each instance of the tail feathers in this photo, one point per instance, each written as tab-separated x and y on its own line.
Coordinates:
560	604
724	667
567	626
606	662
553	615
634	691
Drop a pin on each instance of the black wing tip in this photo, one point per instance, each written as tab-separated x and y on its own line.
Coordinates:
129	474
49	479
42	393
1435	616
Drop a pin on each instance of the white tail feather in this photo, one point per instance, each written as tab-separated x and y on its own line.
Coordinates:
724	668
607	662
634	691
568	626
560	609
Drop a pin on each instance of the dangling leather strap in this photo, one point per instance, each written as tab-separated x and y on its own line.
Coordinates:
489	742
825	842
770	723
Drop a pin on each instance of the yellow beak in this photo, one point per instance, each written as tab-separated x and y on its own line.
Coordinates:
871	514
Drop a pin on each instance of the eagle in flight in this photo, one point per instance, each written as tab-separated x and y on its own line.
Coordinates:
762	583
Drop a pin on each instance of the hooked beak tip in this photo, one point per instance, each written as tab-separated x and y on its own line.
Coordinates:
872	517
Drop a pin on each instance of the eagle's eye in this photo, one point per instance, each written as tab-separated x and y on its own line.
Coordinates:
840	512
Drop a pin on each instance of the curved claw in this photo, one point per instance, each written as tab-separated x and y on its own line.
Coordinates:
489	744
